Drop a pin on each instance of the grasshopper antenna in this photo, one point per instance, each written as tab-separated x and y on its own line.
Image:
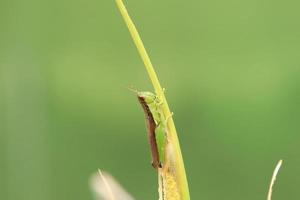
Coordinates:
131	89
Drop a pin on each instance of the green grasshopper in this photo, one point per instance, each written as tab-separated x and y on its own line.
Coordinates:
156	126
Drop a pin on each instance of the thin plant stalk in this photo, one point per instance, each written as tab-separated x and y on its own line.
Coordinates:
181	178
276	170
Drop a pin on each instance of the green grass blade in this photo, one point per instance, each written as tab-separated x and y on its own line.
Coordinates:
177	163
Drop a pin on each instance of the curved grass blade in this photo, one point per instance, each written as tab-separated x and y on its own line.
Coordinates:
276	170
174	171
105	187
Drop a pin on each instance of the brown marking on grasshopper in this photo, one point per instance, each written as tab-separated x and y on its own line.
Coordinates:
151	126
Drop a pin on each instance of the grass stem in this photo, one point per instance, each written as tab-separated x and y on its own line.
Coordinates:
179	164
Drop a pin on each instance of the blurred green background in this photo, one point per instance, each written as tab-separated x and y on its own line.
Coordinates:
231	70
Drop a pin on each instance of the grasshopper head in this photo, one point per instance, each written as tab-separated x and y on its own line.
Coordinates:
148	97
